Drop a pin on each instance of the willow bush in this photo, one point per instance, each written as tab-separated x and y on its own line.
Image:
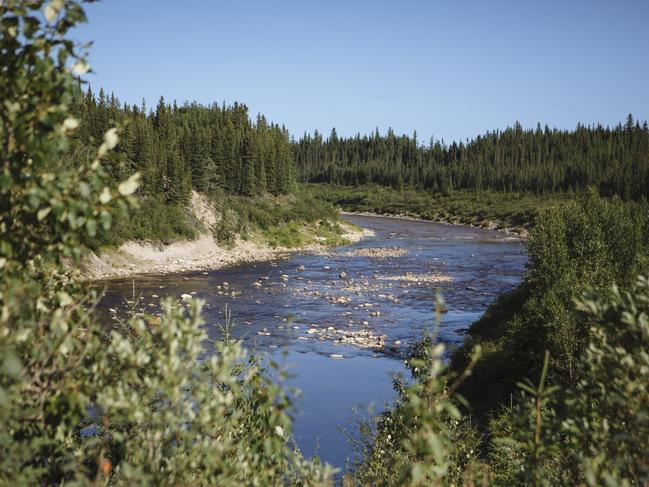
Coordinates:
596	433
80	404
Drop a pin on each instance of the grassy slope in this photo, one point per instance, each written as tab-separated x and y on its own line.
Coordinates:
290	221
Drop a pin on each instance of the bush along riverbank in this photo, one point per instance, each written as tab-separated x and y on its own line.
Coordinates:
513	212
551	385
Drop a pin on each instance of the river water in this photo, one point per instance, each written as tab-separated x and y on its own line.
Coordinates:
297	309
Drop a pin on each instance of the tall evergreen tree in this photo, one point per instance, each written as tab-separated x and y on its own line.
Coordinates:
248	178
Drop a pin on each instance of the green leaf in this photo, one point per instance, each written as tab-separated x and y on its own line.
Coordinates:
105	196
84	189
91	226
105	219
80	67
12	365
70	124
129	186
417	473
42	213
111	138
52	10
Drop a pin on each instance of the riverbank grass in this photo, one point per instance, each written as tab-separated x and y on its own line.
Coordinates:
291	221
515	211
294	235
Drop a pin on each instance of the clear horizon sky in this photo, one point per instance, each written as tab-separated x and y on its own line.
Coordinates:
448	69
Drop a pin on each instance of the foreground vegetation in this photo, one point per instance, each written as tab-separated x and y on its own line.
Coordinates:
80	404
585	419
146	403
582	246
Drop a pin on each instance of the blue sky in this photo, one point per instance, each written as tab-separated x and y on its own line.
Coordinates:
451	69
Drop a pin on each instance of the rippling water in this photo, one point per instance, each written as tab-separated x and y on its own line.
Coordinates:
275	304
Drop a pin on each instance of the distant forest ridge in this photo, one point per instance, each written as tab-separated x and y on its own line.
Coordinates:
180	147
540	160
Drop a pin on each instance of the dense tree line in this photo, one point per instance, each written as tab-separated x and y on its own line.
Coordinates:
177	148
541	160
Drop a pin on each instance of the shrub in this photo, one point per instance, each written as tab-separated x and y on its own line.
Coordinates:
584	244
85	404
607	419
281	221
595	433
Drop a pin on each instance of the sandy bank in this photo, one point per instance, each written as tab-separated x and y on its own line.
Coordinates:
201	254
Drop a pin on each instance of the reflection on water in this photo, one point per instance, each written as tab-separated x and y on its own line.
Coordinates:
293	309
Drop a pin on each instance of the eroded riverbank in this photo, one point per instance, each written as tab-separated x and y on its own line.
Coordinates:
203	253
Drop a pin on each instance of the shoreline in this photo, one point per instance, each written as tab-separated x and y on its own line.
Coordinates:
205	254
202	254
490	225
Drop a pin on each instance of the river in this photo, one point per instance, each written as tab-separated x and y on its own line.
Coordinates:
378	295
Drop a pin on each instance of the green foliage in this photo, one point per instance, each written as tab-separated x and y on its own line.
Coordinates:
423	439
586	244
154	221
608	425
282	221
178	149
595	433
586	421
142	403
189	147
145	402
524	449
540	161
167	416
484	208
